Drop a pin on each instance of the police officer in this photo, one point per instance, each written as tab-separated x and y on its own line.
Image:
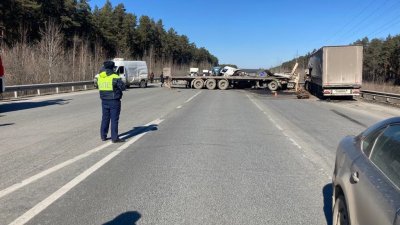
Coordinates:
110	87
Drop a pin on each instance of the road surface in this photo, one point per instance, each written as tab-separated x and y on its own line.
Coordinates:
191	157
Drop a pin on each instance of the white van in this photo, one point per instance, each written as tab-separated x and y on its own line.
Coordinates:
131	72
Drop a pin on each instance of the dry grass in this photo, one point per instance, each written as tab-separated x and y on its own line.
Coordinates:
48	61
381	87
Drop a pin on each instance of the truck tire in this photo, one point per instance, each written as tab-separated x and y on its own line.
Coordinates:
198	83
211	84
127	85
142	84
223	84
273	85
192	84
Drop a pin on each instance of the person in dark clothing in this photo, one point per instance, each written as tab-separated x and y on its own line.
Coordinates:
110	88
162	79
151	77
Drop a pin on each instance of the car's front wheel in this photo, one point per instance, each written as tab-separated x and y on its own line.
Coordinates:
340	213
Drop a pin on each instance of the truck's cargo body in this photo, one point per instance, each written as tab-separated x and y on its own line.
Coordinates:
335	71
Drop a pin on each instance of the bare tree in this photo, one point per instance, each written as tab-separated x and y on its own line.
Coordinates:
51	46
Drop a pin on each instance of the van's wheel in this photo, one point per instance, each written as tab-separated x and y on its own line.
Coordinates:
127	85
211	84
340	213
143	84
223	84
273	85
198	83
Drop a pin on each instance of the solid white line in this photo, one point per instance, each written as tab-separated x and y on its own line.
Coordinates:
194	96
60	192
81	177
53	169
279	127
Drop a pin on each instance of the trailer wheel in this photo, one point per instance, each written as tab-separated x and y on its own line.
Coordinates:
273	85
211	84
198	83
223	84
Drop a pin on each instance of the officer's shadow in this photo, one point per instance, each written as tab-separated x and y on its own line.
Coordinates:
138	130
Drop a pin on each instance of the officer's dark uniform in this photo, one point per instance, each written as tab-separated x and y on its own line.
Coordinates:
110	87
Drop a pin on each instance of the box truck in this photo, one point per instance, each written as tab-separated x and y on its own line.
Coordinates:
335	71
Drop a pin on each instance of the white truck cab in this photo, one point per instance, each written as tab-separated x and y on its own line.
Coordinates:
229	71
194	72
131	72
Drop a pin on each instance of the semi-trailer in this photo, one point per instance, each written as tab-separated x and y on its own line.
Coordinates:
335	71
273	83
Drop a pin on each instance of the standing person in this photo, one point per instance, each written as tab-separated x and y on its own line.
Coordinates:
151	77
162	79
110	88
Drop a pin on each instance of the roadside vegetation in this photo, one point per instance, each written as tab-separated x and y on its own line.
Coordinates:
65	40
381	69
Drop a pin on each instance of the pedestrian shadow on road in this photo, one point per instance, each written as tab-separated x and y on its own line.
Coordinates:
127	218
138	130
327	191
6	124
17	106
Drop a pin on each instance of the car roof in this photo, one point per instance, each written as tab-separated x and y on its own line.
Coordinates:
380	125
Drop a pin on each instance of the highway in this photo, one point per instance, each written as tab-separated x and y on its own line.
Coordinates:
190	157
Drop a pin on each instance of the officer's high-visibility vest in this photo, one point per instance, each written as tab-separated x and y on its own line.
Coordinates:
105	83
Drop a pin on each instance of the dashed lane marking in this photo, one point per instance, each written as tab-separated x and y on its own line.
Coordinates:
194	96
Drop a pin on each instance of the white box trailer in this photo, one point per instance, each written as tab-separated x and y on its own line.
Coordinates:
335	71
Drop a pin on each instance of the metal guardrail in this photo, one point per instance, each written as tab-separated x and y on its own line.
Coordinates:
383	97
39	87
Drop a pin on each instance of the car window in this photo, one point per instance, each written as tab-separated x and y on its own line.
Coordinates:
386	153
369	141
121	70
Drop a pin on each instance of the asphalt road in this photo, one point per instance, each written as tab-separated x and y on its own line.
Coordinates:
191	157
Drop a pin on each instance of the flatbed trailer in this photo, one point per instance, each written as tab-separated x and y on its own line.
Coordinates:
224	82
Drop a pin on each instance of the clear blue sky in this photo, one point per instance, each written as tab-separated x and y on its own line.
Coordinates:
265	33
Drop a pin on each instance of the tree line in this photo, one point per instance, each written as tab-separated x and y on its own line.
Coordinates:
66	40
381	60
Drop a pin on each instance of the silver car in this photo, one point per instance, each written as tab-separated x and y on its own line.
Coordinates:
366	178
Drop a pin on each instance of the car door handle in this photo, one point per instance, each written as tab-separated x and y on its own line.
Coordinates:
355	177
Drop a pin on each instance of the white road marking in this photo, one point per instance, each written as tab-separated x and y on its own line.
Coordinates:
194	96
179	107
274	122
279	127
294	142
55	168
60	192
38	208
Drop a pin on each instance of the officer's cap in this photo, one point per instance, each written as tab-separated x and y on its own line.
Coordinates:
109	65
